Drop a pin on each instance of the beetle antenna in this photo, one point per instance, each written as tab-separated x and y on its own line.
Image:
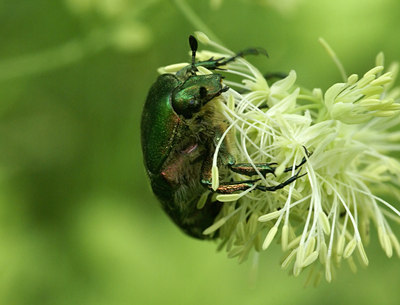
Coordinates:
193	46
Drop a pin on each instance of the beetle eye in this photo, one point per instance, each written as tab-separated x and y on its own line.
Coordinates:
202	92
188	101
194	105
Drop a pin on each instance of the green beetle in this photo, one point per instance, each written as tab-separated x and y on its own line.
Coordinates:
180	129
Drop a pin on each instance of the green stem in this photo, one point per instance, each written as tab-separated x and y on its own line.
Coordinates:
334	57
195	20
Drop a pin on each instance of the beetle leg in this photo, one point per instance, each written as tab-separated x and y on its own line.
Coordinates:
290	168
264	168
250	51
281	185
234	186
248	170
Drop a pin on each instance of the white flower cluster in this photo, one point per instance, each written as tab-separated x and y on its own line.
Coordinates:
350	134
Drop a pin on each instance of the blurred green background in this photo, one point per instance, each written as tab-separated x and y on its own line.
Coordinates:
78	222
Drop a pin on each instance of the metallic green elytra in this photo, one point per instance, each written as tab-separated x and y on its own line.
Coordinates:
180	129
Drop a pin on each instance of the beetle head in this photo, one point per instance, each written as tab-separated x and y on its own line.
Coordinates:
195	92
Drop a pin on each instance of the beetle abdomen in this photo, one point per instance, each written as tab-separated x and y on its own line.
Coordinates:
180	203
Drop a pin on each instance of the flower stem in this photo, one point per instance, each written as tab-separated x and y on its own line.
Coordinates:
334	57
192	17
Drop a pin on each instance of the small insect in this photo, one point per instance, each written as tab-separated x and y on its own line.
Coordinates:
180	129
